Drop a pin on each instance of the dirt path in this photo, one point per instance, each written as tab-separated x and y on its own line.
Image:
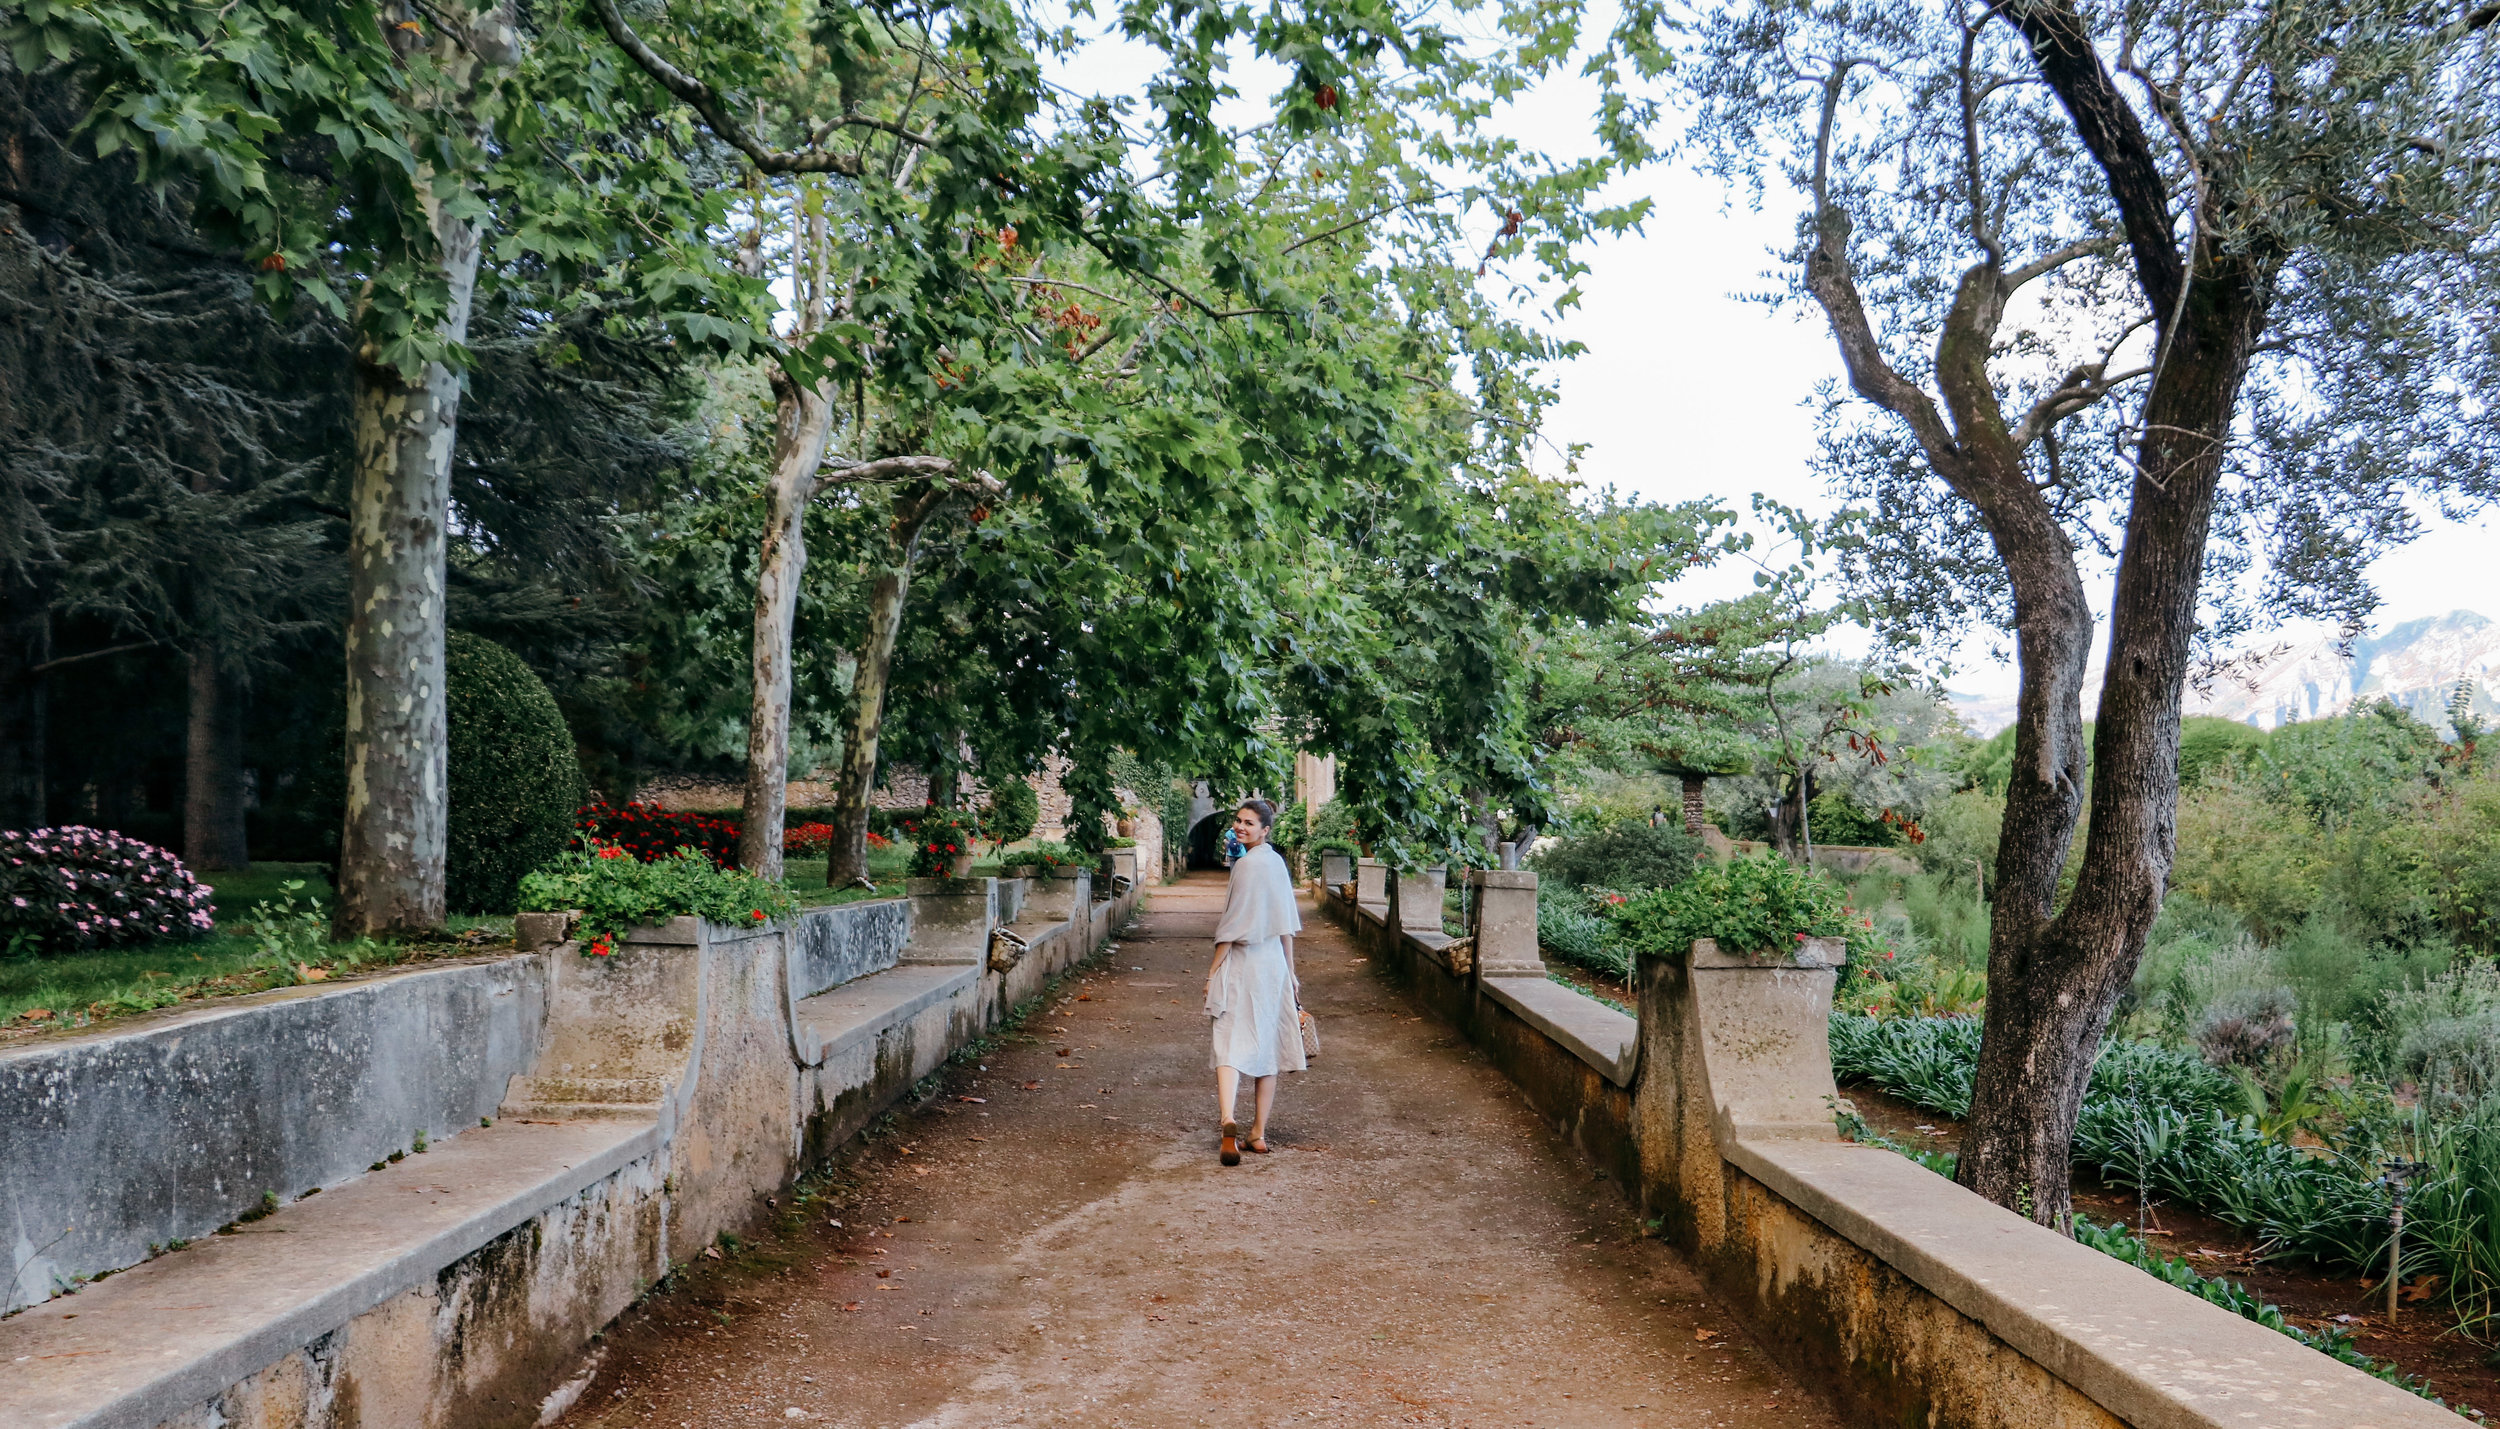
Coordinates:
1067	1251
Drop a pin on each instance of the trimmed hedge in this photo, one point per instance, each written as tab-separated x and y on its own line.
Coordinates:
513	779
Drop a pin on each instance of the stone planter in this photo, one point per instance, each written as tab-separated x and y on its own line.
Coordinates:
1371	881
1420	899
1335	869
1505	931
1811	954
533	931
960	866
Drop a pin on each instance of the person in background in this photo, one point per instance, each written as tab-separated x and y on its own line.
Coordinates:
1253	995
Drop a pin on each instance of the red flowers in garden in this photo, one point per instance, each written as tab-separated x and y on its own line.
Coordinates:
648	831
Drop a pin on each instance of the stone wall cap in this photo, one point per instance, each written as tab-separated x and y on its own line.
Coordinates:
2151	1355
1588	1029
946	887
684	930
1810	955
149	1343
1501	878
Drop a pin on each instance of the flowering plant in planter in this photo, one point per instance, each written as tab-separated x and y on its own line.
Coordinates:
1049	855
1756	908
616	891
938	837
647	832
76	887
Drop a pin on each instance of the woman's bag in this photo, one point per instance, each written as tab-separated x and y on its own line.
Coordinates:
1310	1036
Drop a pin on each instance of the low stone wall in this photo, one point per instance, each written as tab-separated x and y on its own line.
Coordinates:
640	1106
1904	1297
114	1143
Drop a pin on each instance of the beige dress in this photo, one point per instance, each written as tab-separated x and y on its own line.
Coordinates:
1252	1002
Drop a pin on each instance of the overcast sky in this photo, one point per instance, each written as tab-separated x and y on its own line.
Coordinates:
1688	390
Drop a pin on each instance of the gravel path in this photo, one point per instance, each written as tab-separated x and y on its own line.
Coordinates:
1066	1251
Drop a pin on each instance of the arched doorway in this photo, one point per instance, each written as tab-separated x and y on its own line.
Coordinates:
1206	840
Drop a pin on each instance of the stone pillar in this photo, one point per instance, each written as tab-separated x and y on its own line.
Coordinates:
1692	804
1419	900
1731	1050
1506	943
1336	869
1062	895
1124	863
1371	881
951	919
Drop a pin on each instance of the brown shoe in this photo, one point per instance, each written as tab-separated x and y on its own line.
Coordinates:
1229	1149
1257	1146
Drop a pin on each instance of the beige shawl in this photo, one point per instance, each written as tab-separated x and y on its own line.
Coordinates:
1259	903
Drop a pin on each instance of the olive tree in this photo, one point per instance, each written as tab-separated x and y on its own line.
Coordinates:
2196	294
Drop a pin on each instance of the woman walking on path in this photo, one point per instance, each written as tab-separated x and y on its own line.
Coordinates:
1253	996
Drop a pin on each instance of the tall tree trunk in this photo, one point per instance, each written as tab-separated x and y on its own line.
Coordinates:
2053	981
392	848
803	420
25	644
212	793
846	861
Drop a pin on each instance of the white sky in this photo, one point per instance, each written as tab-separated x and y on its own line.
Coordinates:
1688	390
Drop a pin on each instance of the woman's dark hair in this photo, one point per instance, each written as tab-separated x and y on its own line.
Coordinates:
1265	810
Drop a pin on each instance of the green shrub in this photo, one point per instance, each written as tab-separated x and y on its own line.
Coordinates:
1753	907
617	892
1014	809
1833	819
1570	929
2210	746
1333	830
1629	855
1048	854
513	781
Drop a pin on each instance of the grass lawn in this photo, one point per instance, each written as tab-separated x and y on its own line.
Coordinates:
117	982
81	988
806	877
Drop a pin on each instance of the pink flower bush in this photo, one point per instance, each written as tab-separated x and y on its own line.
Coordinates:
74	887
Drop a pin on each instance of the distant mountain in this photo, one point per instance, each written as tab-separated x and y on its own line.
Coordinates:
2416	664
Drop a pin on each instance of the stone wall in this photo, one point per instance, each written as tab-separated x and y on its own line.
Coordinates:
1904	1297
114	1143
638	1106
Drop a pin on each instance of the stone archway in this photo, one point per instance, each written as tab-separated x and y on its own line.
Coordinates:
1206	841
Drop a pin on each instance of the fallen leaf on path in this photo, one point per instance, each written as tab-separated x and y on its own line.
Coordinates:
1064	1051
1703	1333
976	1101
853	1305
1032	1086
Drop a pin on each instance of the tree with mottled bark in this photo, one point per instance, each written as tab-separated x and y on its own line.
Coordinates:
361	157
2194	296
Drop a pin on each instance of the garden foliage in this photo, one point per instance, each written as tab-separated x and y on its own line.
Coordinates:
1752	907
1629	856
2186	1133
73	887
514	782
616	891
1014	810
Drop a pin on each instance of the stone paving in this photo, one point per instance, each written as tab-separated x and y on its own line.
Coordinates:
1052	1243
